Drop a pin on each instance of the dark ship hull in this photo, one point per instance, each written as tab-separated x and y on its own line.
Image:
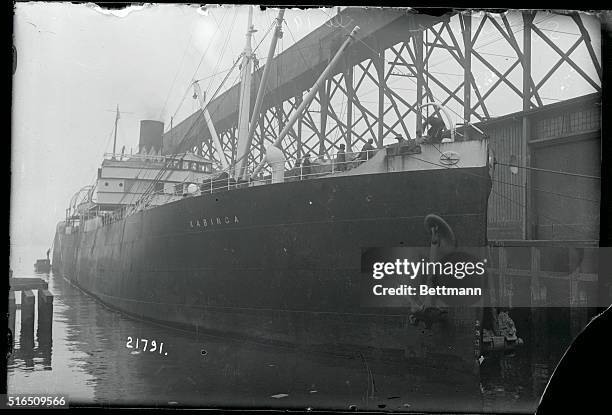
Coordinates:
281	262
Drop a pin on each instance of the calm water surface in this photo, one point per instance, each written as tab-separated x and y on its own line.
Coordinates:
88	362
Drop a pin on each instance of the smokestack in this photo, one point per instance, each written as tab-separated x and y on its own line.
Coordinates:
151	133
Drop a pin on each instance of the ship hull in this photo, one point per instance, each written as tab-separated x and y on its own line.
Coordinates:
281	262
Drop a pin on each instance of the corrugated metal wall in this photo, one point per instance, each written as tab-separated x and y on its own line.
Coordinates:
565	206
564	137
505	203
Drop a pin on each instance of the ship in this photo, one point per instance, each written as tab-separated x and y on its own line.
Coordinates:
273	252
42	265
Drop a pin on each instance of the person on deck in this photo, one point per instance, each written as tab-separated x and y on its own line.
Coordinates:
436	128
305	170
407	146
366	150
341	158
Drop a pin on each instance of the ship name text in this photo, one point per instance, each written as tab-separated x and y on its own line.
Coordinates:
214	221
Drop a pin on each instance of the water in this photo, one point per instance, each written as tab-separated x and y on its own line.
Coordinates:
88	362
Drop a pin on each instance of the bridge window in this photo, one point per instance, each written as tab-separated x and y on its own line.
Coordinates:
158	187
178	189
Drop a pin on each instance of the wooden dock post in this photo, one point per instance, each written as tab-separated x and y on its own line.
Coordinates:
578	296
12	312
27	319
539	310
538	293
45	316
505	281
501	281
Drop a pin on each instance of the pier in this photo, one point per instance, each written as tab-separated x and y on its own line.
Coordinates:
543	284
36	311
22	284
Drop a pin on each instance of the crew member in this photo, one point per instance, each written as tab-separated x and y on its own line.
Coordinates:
366	150
306	165
341	158
436	128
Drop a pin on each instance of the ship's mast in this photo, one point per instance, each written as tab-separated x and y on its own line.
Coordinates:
243	158
245	95
307	99
115	139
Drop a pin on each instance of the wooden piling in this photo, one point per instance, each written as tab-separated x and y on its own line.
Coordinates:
539	310
27	319
505	281
12	312
45	316
578	295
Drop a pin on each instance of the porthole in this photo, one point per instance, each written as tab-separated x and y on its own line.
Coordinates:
105	183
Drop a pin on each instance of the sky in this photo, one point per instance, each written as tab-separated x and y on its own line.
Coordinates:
77	62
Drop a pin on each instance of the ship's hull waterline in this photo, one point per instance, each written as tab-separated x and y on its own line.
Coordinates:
281	262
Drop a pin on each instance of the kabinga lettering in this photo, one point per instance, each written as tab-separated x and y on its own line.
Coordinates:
212	222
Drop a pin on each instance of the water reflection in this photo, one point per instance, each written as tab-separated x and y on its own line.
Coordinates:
85	358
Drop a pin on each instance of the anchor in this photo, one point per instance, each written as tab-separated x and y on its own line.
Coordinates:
442	238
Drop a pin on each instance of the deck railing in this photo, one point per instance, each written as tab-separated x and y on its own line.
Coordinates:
140	157
321	166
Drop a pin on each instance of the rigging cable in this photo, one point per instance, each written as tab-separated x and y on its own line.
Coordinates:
223	49
145	197
201	60
585	176
553	220
148	191
178	70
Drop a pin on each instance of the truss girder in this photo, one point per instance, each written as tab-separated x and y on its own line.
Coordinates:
378	88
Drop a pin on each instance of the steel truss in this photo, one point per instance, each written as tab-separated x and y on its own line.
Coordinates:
379	97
